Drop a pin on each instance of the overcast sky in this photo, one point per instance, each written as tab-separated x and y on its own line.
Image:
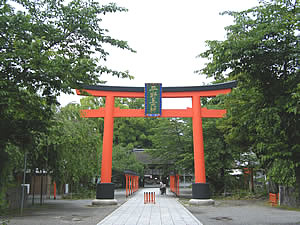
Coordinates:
167	35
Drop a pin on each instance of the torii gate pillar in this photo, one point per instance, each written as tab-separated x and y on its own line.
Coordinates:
200	189
105	190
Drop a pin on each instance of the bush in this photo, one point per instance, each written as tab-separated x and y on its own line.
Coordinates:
81	193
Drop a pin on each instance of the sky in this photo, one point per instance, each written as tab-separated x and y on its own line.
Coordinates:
167	35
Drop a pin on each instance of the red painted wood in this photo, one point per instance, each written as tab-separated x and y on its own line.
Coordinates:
171	113
199	163
107	140
273	199
196	112
126	177
54	190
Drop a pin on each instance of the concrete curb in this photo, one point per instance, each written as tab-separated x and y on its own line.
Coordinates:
104	202
201	202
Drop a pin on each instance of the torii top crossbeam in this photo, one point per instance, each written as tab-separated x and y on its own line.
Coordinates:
167	92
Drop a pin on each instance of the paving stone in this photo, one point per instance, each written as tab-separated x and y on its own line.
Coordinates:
166	211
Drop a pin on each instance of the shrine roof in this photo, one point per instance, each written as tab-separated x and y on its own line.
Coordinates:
219	86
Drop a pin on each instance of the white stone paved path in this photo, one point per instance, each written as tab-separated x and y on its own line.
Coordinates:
166	211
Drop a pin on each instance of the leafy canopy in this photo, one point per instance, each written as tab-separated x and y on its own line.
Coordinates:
48	47
261	51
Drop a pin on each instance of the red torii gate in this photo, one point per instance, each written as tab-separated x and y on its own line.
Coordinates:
200	189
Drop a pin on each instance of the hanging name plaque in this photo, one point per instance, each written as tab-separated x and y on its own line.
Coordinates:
153	99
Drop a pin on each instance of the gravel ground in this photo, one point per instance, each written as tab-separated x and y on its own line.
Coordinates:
237	212
54	212
224	212
240	212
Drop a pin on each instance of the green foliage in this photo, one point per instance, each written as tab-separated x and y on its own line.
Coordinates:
52	46
261	52
282	172
219	157
75	144
22	116
81	193
124	159
48	47
3	203
172	141
11	160
132	132
242	194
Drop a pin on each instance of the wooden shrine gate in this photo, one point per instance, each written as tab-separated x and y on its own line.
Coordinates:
200	189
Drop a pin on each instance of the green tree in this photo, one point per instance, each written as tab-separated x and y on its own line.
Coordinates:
132	132
173	142
261	51
124	159
74	145
47	47
219	156
24	117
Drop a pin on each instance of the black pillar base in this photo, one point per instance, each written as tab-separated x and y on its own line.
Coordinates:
200	191
105	191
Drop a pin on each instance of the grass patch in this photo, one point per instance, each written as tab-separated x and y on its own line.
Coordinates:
288	208
243	195
85	194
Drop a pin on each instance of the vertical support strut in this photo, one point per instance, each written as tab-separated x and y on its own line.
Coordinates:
105	190
54	190
107	140
198	142
126	177
130	185
200	189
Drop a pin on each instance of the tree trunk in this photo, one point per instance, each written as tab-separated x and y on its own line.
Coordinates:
42	183
33	189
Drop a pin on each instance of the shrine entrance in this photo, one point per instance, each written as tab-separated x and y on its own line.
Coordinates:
200	189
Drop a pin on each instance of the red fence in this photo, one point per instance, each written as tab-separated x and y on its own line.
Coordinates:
174	184
149	197
132	183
